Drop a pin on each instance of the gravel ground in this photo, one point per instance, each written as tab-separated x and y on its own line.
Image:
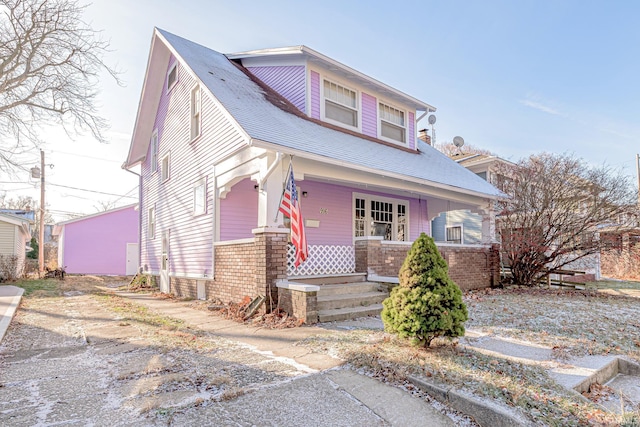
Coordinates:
72	360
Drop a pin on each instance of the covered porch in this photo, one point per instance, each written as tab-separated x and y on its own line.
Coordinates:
356	221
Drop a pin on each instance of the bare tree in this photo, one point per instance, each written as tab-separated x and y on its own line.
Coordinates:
451	150
104	205
556	205
50	62
27	203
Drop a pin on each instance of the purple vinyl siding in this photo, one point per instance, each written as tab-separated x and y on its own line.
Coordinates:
239	211
190	248
98	244
315	95
369	115
332	205
412	131
288	81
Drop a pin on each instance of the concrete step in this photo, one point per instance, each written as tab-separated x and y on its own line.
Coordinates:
331	279
338	314
328	302
348	288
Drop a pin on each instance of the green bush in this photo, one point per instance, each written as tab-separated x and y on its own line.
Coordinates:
427	303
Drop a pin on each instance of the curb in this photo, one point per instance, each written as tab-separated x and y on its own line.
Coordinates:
6	318
484	413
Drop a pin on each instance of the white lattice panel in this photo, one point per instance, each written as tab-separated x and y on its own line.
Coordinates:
323	259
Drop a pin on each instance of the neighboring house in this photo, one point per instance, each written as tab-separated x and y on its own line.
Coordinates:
103	243
465	226
214	137
15	235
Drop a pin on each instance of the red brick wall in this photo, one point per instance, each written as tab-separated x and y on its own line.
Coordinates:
469	267
302	305
235	273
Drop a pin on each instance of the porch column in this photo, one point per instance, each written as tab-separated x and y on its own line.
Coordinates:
488	225
271	262
269	196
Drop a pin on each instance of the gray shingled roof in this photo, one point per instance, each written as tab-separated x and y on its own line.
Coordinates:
264	121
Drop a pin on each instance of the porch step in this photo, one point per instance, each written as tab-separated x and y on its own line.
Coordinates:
330	302
347	288
337	314
330	279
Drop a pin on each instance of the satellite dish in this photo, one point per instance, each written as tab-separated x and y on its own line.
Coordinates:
431	119
458	141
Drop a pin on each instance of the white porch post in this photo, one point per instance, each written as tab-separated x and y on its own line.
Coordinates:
269	198
488	224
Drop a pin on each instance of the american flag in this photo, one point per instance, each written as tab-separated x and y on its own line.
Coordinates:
290	206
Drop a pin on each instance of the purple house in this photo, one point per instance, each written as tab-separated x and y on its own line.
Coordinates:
102	243
214	137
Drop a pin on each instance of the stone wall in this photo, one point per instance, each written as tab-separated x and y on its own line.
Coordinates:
300	301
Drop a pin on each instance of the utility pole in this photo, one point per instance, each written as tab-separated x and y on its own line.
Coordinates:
638	172
41	236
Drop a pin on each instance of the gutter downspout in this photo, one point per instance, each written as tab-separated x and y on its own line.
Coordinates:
124	167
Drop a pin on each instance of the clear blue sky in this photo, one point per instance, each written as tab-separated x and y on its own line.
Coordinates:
515	77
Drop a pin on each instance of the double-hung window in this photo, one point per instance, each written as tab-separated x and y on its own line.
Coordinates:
383	217
454	234
340	104
164	169
154	151
200	198
393	125
196	107
151	223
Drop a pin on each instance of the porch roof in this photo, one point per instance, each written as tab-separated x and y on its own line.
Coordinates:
276	127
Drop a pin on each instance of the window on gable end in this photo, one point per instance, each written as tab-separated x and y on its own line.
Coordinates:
196	107
393	125
154	151
200	197
172	76
340	104
164	169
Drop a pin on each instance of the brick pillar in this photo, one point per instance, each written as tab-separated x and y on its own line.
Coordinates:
271	262
494	264
369	255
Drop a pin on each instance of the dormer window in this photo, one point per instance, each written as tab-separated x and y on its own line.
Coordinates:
393	126
340	105
172	77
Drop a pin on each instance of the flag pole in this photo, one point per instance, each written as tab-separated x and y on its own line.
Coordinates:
283	190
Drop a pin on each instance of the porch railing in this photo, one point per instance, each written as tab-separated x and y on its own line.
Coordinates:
323	259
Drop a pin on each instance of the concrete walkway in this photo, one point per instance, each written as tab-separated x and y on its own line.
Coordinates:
9	300
327	397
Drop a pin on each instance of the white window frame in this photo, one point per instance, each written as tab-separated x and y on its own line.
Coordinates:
455	225
200	185
151	222
154	151
323	101
171	85
195	116
367	206
165	169
381	121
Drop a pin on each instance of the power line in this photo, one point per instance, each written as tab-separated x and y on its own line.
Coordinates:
92	191
87	157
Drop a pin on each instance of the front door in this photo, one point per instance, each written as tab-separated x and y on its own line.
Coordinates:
164	266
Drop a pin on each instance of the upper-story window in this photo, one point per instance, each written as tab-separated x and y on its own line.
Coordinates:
165	168
340	104
154	151
196	107
200	197
393	125
172	76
